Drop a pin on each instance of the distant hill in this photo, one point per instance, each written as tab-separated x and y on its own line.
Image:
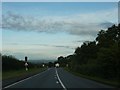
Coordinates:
41	61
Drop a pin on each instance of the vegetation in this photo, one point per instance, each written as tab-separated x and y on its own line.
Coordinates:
11	63
99	58
21	73
13	68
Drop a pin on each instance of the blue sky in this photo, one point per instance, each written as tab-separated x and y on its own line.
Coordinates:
48	30
62	8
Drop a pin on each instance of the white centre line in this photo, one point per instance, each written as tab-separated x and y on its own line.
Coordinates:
57	82
60	80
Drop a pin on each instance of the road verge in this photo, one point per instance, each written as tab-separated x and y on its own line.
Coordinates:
108	82
15	76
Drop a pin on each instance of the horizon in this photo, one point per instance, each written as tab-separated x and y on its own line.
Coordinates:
49	30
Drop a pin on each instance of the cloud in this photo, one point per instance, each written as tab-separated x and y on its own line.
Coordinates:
78	24
81	41
36	51
48	45
57	46
106	24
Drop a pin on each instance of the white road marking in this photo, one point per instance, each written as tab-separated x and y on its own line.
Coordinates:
24	80
60	80
57	82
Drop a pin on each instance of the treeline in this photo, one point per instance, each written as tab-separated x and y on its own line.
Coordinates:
12	63
99	58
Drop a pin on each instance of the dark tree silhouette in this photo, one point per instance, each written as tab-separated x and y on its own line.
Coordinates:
99	58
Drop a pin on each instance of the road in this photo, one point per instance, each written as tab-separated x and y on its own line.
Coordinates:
56	78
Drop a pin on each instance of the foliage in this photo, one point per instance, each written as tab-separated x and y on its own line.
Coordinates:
12	63
99	58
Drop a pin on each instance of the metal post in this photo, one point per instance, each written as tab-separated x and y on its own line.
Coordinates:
26	64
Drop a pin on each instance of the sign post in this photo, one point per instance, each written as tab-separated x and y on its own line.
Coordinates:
26	64
43	65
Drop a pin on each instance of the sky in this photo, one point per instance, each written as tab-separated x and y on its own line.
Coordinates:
60	0
47	30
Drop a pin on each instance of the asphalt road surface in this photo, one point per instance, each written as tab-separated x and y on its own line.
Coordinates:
56	78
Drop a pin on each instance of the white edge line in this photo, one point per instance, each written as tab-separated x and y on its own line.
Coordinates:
23	80
60	80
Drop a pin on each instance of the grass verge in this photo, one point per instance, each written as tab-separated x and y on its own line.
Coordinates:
19	73
113	83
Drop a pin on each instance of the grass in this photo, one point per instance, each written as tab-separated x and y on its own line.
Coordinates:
19	73
113	83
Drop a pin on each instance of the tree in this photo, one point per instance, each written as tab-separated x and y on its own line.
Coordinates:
50	64
101	59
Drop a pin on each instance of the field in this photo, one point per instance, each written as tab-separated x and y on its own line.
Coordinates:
20	73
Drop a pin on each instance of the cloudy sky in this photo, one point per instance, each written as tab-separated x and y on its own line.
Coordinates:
46	30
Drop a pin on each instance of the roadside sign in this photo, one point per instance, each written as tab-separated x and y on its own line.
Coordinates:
26	64
25	59
43	65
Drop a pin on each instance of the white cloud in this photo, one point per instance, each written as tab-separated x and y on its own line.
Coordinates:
36	51
86	23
